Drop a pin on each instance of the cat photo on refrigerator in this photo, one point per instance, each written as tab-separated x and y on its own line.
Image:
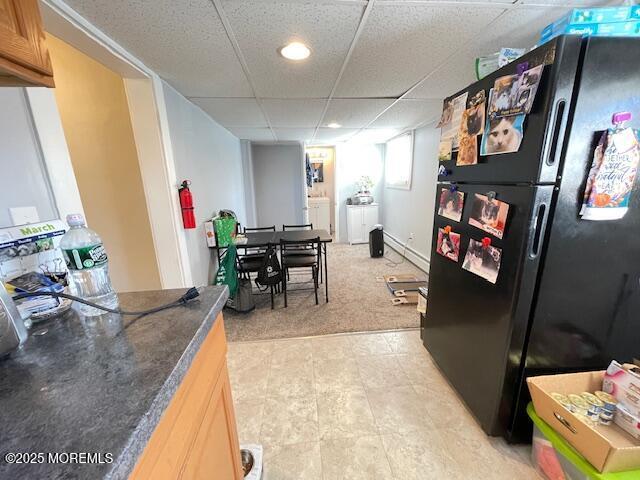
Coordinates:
502	135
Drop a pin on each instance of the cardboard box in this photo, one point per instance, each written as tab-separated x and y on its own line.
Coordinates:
627	421
608	449
210	234
624	384
623	375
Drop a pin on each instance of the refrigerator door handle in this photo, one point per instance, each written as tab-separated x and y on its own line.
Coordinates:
552	148
535	237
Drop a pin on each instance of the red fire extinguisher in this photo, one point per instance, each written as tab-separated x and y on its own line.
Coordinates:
186	204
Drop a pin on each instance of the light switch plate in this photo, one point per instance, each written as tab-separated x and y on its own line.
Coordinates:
24	215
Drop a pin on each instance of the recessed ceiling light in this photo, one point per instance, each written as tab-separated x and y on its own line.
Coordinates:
295	51
334	125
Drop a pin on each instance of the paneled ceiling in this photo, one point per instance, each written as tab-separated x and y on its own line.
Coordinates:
377	67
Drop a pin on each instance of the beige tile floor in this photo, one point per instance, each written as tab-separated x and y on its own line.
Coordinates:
361	406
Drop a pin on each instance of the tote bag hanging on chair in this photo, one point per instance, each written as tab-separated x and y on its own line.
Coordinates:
270	272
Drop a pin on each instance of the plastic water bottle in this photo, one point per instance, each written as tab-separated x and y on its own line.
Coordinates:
88	267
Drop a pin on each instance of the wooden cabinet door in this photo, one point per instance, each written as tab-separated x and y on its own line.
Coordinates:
313	214
354	219
197	436
22	38
214	453
370	218
324	221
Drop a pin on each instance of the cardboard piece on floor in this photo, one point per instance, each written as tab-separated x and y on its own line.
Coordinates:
608	449
403	277
411	298
406	286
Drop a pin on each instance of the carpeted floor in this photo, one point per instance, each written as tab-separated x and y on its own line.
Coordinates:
358	301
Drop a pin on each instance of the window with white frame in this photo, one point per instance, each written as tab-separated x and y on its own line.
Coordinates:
398	161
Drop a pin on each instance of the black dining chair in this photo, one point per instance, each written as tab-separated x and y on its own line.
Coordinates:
300	261
250	265
256	252
299	250
251	260
304	226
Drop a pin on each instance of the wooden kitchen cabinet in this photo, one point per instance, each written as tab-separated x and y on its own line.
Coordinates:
197	436
24	58
319	213
360	221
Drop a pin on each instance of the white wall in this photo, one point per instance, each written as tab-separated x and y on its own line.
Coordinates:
278	184
208	155
353	160
249	185
412	211
24	181
158	179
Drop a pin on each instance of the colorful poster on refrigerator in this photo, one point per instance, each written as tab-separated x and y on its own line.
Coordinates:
612	175
452	111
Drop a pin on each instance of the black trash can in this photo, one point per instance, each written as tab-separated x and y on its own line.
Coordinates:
376	241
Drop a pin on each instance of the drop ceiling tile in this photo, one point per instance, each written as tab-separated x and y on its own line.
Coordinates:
255	134
294	112
261	28
518	28
334	135
355	112
185	44
400	44
294	134
409	113
375	135
232	112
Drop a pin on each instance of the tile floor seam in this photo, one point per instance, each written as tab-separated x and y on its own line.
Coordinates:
427	435
264	399
375	419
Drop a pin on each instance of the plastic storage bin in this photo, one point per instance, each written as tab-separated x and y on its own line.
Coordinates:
555	459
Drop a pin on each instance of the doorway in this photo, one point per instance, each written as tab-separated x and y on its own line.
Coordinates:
322	160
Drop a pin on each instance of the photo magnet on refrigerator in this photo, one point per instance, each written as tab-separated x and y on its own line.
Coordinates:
452	111
502	134
448	243
482	260
451	204
489	215
514	94
444	150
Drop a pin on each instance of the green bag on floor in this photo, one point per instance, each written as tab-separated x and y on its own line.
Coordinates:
227	273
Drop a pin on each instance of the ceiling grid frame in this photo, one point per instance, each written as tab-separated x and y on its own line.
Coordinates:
243	63
516	4
365	109
354	41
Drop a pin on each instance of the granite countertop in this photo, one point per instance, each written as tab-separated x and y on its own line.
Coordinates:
99	384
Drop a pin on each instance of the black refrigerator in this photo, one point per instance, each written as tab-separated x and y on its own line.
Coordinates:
567	296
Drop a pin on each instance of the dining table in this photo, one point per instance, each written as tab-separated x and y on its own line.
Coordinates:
264	239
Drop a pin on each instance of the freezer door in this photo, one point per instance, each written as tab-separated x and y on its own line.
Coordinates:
536	160
588	305
474	329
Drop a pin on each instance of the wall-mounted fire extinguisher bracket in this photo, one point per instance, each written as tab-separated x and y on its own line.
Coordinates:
186	205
